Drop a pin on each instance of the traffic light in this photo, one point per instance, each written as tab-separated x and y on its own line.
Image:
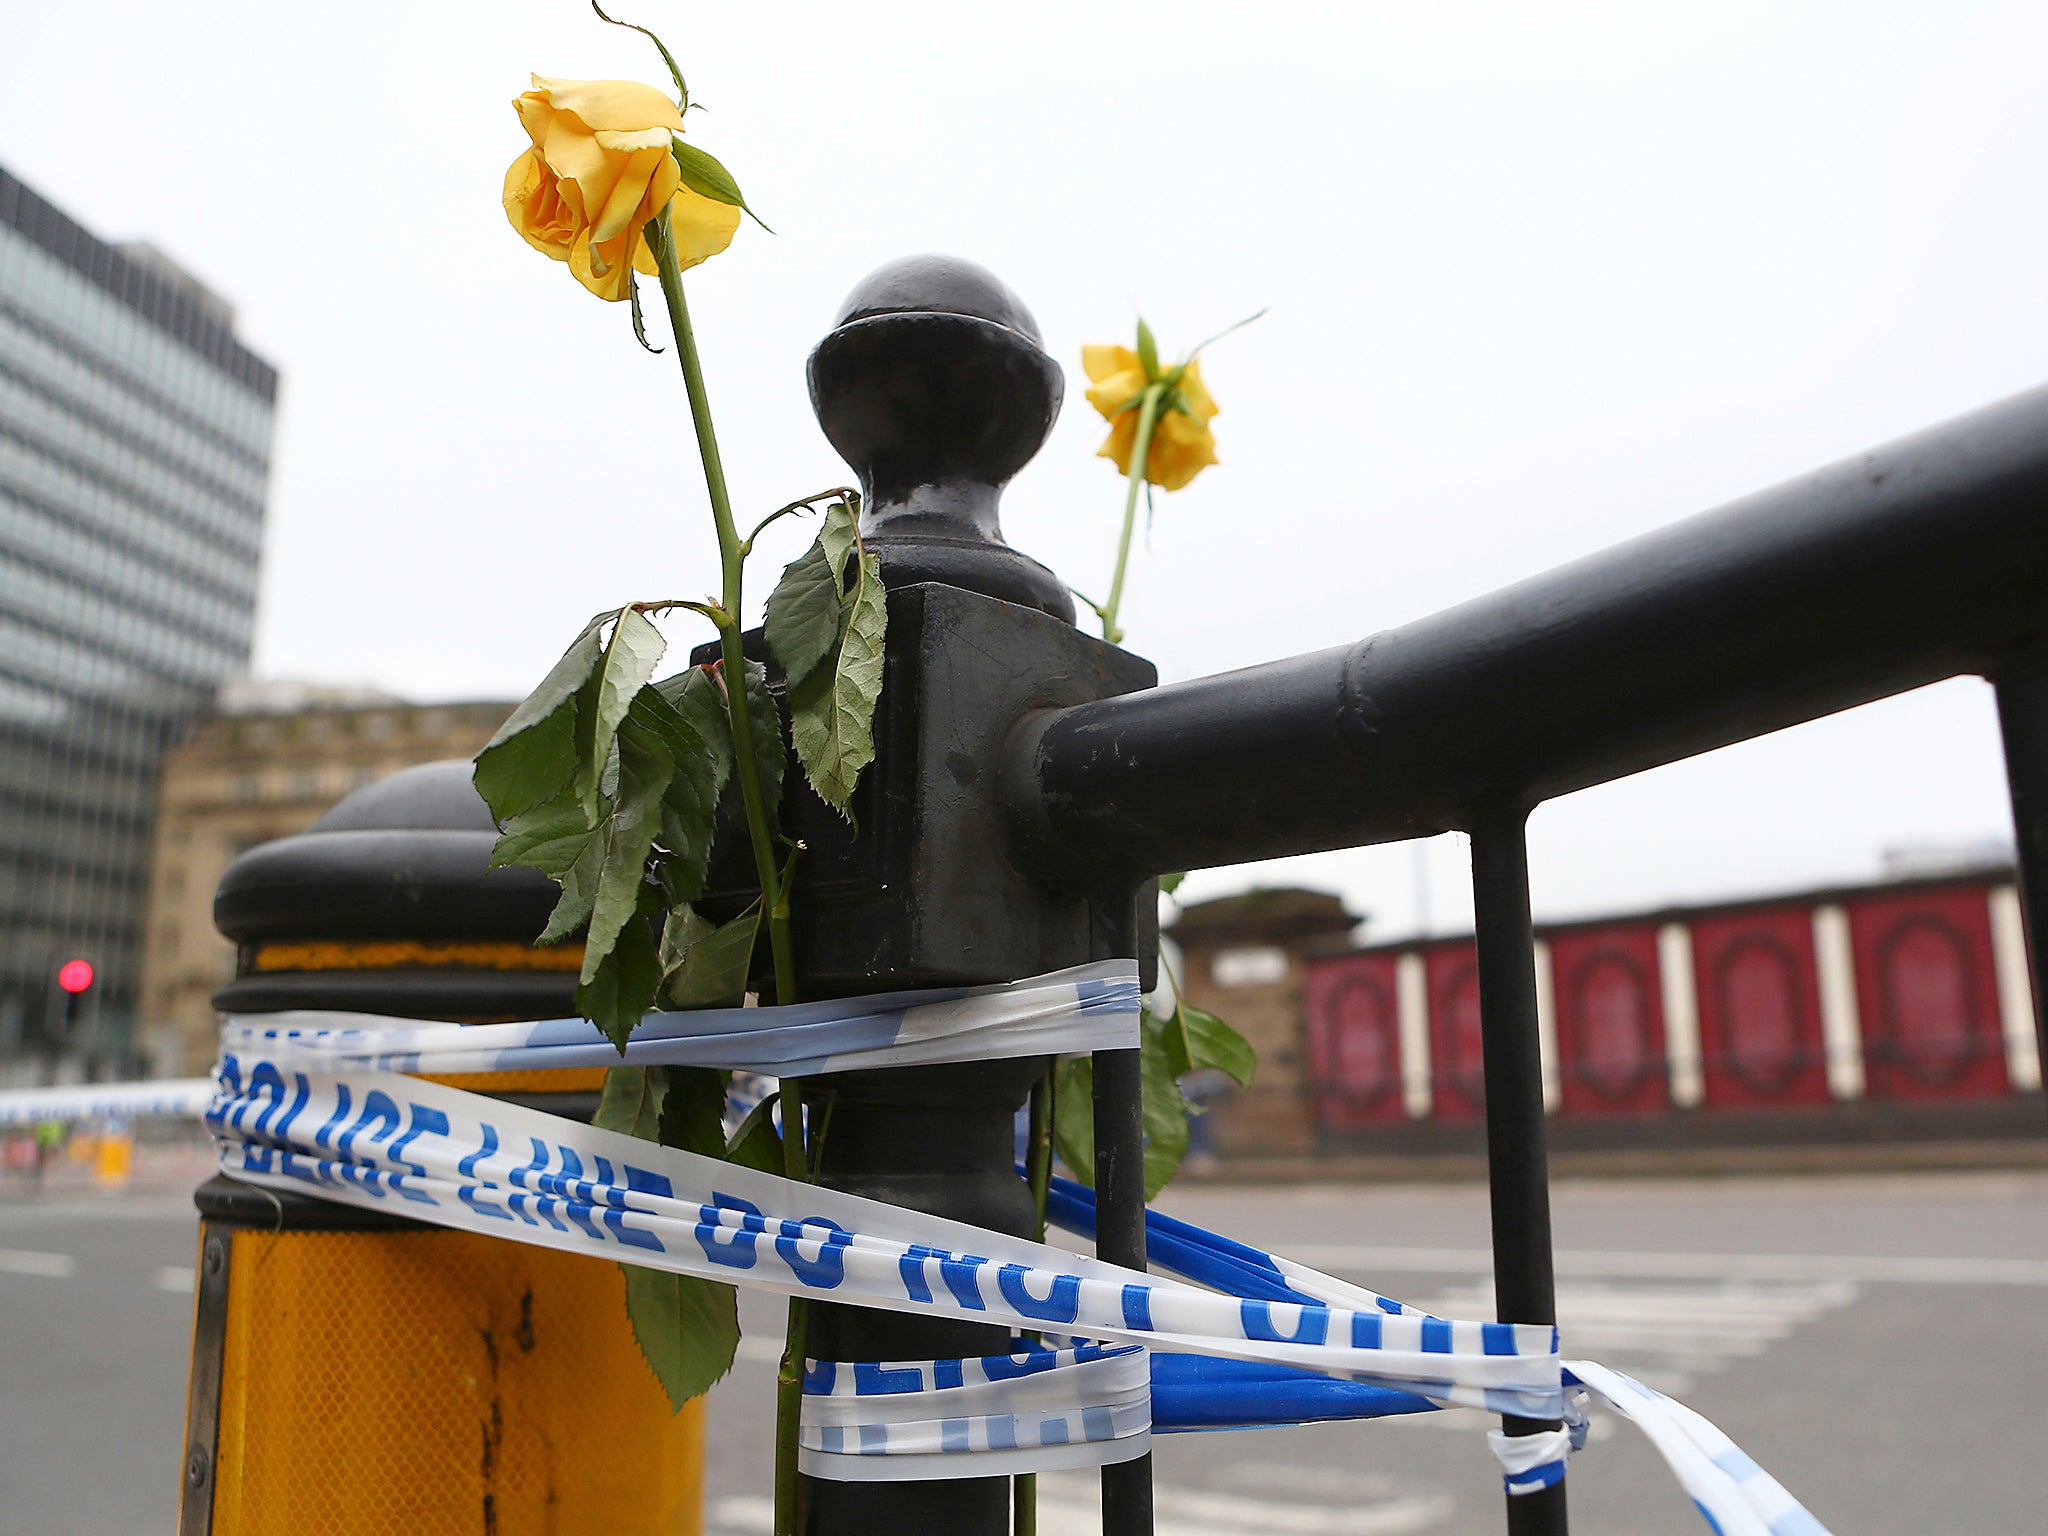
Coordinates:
75	980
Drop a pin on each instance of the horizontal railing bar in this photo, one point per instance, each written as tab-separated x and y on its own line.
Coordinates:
1903	566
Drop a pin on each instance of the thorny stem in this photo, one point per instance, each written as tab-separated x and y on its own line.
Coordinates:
807	504
747	767
1141	450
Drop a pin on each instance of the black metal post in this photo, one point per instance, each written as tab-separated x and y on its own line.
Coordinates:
1120	1197
1517	1164
935	388
934	1139
2022	685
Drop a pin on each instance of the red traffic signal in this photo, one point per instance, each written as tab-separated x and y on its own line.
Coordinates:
75	976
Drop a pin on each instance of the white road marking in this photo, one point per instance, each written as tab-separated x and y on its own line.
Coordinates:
1668	1334
40	1213
1069	1504
740	1514
174	1277
49	1266
1357	1259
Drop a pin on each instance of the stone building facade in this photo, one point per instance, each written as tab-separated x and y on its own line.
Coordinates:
268	765
1243	960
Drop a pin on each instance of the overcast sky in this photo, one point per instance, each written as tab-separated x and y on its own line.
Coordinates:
1542	277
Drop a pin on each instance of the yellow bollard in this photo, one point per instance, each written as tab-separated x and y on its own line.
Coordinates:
113	1159
356	1373
440	1382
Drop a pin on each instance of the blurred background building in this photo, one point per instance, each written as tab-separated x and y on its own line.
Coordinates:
267	764
1878	1014
135	437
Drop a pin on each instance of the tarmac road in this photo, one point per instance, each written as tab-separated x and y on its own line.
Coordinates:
1878	1343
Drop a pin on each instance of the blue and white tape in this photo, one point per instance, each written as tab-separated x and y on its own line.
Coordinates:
438	1154
1088	1008
1035	1411
182	1098
313	1102
1737	1497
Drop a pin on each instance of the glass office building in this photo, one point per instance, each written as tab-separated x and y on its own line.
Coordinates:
134	455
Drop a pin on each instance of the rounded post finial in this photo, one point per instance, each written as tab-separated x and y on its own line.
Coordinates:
934	385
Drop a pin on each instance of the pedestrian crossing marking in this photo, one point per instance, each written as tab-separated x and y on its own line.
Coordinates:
1668	1335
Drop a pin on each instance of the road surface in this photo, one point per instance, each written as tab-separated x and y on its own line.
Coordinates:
1877	1342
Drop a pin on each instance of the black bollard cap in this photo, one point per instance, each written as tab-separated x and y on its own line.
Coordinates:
404	860
935	387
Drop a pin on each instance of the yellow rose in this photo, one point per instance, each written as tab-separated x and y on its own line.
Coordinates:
599	169
1182	445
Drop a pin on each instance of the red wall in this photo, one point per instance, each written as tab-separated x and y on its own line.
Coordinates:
1759	1005
1610	1020
1354	1039
1456	1073
1927	991
1926	995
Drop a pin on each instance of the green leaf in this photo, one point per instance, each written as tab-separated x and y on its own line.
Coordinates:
622	987
681	931
756	1143
1148	351
1073	1115
703	175
693	1111
550	837
1175	1040
579	892
832	712
1168	884
534	752
699	697
688	1329
1199	1041
706	967
676	1106
806	610
645	766
687	813
628	662
631	1102
1165	1110
840	531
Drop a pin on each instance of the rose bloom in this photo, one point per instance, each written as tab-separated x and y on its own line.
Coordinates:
1182	445
599	169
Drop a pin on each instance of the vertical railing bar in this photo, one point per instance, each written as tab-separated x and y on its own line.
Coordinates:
1120	1191
2022	692
1120	1239
1517	1164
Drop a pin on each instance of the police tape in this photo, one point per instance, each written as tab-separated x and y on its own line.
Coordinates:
458	1159
1038	1410
1088	1008
1253	1340
175	1098
1735	1493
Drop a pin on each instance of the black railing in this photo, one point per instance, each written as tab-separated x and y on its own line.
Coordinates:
1916	562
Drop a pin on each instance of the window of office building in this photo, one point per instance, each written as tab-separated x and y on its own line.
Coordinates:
134	458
